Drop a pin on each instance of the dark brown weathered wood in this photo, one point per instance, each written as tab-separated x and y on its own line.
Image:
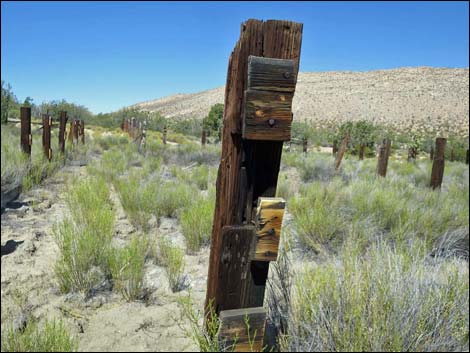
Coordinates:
384	154
412	154
46	135
62	124
238	247
203	137
452	155
242	330
82	131
342	150
269	74
437	172
431	153
25	134
268	115
467	158
258	161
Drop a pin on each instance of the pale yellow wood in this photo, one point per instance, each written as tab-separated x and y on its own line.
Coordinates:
269	215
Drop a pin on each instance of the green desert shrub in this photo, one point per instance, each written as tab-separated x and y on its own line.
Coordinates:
196	223
386	300
172	259
53	336
84	239
127	267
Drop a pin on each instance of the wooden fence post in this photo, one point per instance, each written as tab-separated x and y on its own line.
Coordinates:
25	136
164	135
362	148
203	137
82	131
257	120
437	172
342	150
46	135
467	158
431	153
70	136
75	130
304	145
62	123
384	153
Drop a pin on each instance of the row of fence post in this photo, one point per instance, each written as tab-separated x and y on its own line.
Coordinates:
77	131
437	156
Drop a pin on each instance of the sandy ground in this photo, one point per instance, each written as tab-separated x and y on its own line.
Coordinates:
104	322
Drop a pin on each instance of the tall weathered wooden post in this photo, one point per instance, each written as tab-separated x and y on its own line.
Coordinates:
62	124
46	135
384	153
437	173
261	79
467	158
342	150
203	137
25	135
431	153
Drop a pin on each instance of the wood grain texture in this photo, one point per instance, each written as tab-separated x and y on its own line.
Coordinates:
269	215
275	39
269	74
238	247
267	115
235	334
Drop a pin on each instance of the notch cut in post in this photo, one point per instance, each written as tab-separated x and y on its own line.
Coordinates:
242	330
269	215
248	168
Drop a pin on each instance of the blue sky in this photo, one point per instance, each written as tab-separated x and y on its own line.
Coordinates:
106	55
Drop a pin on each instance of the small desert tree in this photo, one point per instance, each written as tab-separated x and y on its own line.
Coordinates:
362	136
214	120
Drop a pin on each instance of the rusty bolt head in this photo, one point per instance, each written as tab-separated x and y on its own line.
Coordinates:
271	122
271	231
286	74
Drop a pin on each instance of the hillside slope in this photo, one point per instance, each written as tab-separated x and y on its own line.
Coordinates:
417	98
